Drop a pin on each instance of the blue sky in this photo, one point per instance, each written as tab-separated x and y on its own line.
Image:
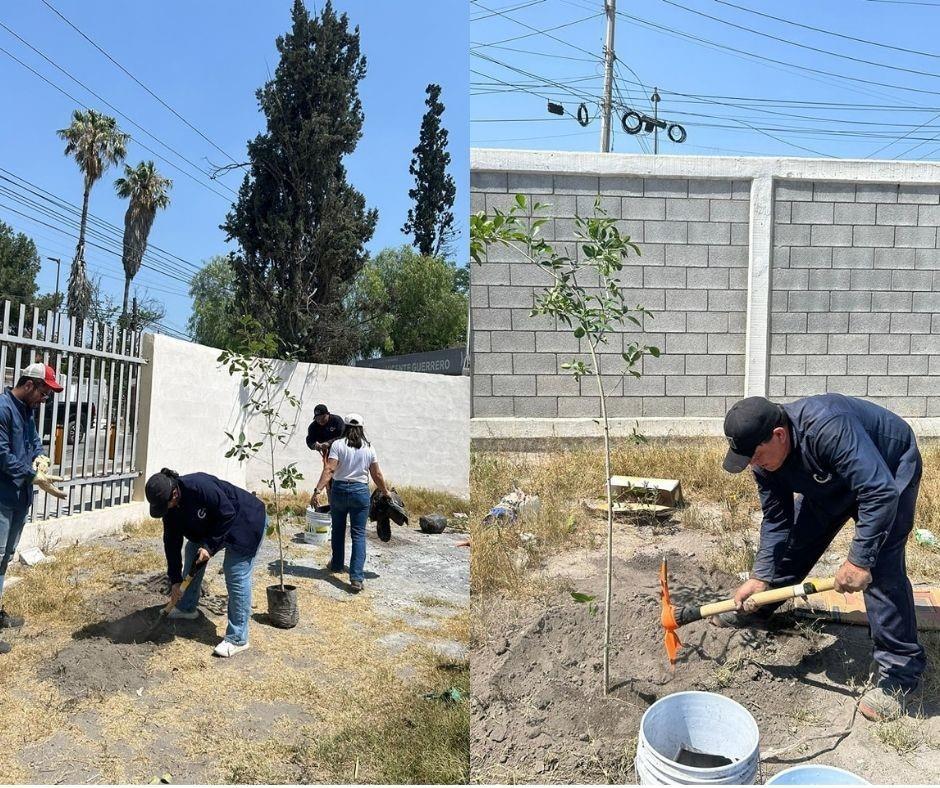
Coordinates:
730	102
206	59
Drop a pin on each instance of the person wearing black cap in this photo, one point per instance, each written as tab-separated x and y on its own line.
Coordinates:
819	462
22	464
325	428
211	515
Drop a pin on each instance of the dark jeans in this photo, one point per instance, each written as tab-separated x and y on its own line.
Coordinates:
12	520
889	599
352	499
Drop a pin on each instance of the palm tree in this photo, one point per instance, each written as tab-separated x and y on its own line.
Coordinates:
96	142
147	191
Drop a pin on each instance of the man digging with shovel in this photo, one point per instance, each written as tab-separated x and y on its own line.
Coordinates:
818	462
22	464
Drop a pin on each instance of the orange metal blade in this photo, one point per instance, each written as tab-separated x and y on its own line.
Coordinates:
668	617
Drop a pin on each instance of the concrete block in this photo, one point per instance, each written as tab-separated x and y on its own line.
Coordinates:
854	213
891	302
778	301
792	235
523	320
850	385
514	385
513	341
709	322
876	192
643	208
828	322
831	235
647	386
664	276
928	215
729	210
861	364
806	344
778	344
887	386
706	365
933	365
866	236
906	407
724	385
480	341
576	184
926	302
924	385
728	256
579	407
666	232
805	385
830	279
926	343
725	344
535	407
894	258
735	364
907	365
686	300
919	193
651	298
810	257
533	363
812	213
794	190
896	214
848	344
776	387
710	188
666	187
650	254
686	385
489	274
788	365
685	344
911	280
889	344
555	342
853	258
850	301
833	192
738	279
622	185
784	322
507	297
482	385
687	256
830	364
740	233
632	275
529	182
706	278
664	365
492	319
529	274
871	279
479	296
565	230
678	209
625	407
780	257
916	237
484	407
869	322
740	190
927	259
477	202
663	406
726	300
665	322
808	301
488	181
608	205
783	212
563	385
709	233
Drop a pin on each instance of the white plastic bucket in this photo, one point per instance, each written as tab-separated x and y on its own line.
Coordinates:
703	722
816	774
318	527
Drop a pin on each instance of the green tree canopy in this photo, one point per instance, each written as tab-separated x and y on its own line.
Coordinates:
431	221
212	321
408	304
300	226
19	266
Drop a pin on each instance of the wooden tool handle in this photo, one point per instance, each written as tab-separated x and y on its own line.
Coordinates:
184	585
774	595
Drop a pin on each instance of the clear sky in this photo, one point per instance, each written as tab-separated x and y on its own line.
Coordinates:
205	60
711	77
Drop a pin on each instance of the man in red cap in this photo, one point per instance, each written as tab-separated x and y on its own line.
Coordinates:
22	464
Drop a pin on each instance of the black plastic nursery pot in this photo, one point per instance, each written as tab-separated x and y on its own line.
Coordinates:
282	606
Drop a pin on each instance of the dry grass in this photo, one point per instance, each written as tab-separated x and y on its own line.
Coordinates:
141	529
724	674
904	735
734	553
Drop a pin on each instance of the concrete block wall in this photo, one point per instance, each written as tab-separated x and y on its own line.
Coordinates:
856	289
771	276
691	274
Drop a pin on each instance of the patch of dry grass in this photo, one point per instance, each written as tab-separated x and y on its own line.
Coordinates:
734	553
148	527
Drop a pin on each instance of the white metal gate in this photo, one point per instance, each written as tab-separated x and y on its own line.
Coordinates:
89	429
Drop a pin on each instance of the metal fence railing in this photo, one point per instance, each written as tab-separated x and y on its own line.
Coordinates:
89	429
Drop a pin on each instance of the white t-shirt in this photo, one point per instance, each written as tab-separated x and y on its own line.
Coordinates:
353	464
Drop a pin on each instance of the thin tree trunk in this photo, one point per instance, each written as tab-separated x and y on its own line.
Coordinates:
80	250
610	521
127	290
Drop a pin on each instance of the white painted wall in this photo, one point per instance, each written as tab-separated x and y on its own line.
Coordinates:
418	423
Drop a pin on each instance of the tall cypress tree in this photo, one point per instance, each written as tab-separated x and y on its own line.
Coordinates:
431	221
300	226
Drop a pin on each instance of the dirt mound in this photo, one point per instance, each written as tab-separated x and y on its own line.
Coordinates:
541	713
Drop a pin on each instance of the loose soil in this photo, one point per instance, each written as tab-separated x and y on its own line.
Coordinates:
117	700
539	713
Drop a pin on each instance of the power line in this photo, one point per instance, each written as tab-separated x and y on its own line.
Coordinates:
537	31
129	74
506	10
515	50
534	29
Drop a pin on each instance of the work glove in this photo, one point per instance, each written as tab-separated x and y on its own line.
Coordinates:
41	463
45	482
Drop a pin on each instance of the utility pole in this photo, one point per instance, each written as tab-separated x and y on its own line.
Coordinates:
655	99
610	9
58	263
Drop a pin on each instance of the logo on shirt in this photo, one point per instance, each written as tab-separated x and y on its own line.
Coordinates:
201	514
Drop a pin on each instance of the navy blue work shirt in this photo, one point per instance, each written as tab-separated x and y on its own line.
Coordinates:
213	514
850	458
326	433
19	446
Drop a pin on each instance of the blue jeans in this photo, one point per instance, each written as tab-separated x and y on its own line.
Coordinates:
12	520
237	568
349	498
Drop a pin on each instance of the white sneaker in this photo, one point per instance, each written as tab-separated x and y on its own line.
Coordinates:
188	615
228	649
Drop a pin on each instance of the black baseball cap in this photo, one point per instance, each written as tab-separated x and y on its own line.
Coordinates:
748	424
321	410
158	491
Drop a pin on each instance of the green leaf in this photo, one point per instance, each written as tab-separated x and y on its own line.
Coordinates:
580	598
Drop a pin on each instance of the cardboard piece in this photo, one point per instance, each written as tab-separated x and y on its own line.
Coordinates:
32	556
628	508
668	492
850	608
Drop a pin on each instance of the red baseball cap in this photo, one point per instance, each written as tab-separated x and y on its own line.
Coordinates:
43	372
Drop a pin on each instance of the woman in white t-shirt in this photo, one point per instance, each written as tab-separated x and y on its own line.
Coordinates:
350	463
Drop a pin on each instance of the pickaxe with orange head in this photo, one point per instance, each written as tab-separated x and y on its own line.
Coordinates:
673	618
